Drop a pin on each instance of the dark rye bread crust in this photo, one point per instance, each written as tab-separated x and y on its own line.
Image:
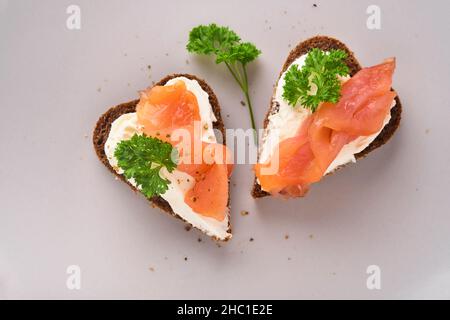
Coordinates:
103	127
326	44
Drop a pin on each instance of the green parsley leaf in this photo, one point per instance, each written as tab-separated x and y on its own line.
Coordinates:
243	52
142	158
317	81
211	39
227	47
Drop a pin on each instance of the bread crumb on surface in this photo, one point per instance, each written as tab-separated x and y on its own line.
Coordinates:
244	213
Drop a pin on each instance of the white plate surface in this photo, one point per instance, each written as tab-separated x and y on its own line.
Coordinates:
61	207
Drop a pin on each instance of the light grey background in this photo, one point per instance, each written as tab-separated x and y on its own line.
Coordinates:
60	206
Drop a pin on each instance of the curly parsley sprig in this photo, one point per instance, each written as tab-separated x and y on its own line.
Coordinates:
317	81
142	158
226	45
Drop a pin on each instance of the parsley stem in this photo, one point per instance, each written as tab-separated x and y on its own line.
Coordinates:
234	75
250	108
243	84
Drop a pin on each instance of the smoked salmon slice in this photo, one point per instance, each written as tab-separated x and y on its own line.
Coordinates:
365	101
162	109
171	113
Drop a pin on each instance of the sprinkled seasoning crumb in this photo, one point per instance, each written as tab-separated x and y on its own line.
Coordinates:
187	61
205	126
286	236
151	269
99	89
289	259
243	103
315	5
244	213
311	236
251	240
199	239
427	131
167	54
185	258
149	67
188	228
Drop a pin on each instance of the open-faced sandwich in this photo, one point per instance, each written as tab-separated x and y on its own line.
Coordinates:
164	145
326	111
